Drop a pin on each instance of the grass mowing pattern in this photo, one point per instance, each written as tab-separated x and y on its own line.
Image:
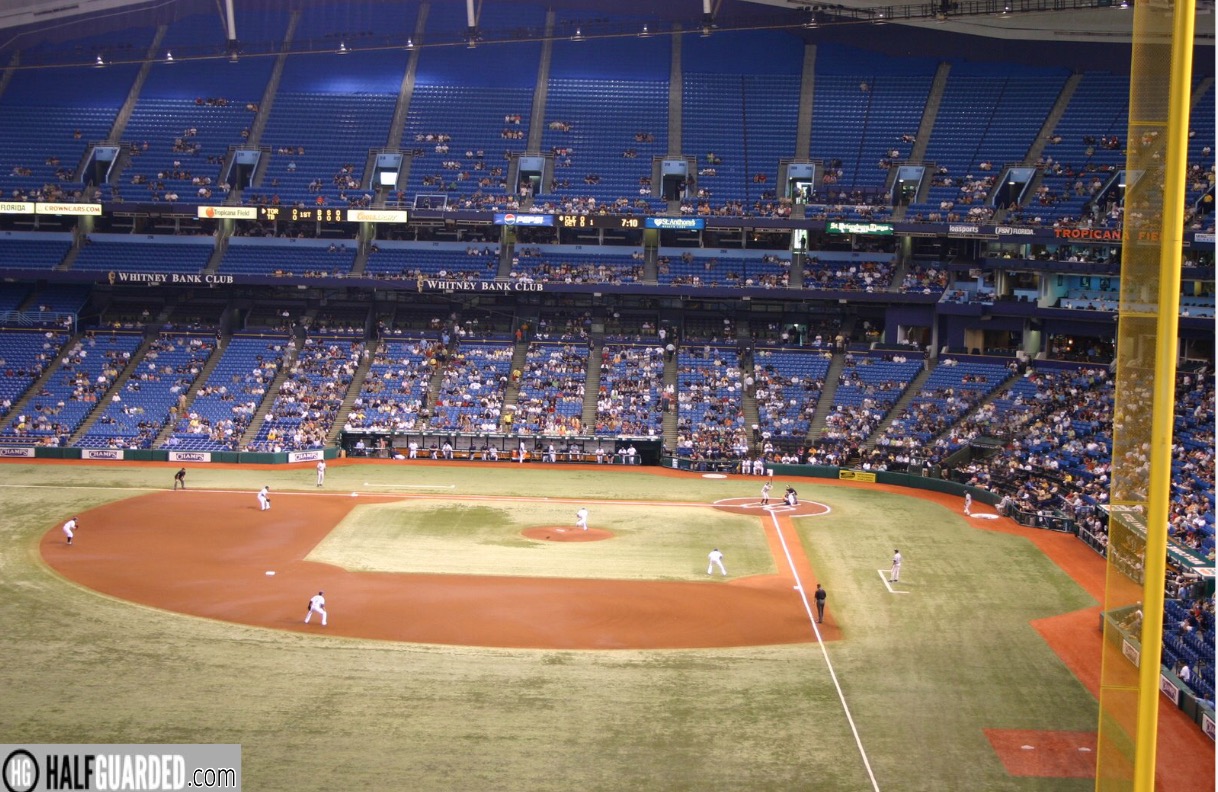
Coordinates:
924	673
649	543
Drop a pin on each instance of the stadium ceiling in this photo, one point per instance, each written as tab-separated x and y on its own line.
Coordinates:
1038	20
1046	21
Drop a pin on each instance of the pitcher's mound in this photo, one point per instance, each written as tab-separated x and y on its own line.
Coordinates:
554	533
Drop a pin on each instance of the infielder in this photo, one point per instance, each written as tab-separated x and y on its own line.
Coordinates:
968	503
264	498
895	576
317	604
716	560
69	529
321	472
581	519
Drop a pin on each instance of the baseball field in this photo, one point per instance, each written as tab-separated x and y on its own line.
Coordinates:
478	639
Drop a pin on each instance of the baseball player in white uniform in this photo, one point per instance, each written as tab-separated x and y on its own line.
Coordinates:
968	503
321	472
413	453
765	493
895	576
69	529
264	498
716	560
317	604
581	519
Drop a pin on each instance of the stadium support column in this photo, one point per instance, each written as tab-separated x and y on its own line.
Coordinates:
230	27
1144	405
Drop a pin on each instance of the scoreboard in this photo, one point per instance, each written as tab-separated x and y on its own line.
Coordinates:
326	215
312	214
597	221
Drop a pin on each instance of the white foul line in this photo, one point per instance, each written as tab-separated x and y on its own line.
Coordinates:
888	583
803	595
413	486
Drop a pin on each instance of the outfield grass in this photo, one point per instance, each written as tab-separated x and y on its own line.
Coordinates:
655	542
923	673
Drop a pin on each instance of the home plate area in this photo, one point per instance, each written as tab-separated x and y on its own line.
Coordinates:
775	506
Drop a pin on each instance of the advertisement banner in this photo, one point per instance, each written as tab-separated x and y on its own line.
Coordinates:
189	456
1169	689
306	456
227	212
101	453
93	210
513	219
16	452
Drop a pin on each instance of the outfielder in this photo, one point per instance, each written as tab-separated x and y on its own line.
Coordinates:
264	498
69	529
321	472
716	559
317	604
581	518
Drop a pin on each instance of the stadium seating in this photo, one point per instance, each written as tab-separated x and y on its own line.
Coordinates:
788	388
149	398
629	402
471	392
709	396
392	393
223	407
83	375
307	401
121	253
26	354
551	399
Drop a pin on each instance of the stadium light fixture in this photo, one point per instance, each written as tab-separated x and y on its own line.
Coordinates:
579	36
645	33
409	44
100	62
169	56
342	48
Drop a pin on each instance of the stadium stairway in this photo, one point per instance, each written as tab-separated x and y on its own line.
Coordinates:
911	390
1055	115
360	263
36	386
268	95
268	398
397	127
825	405
353	391
133	96
208	367
116	387
669	419
7	75
511	394
433	388
69	258
989	397
930	112
541	91
592	380
217	256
